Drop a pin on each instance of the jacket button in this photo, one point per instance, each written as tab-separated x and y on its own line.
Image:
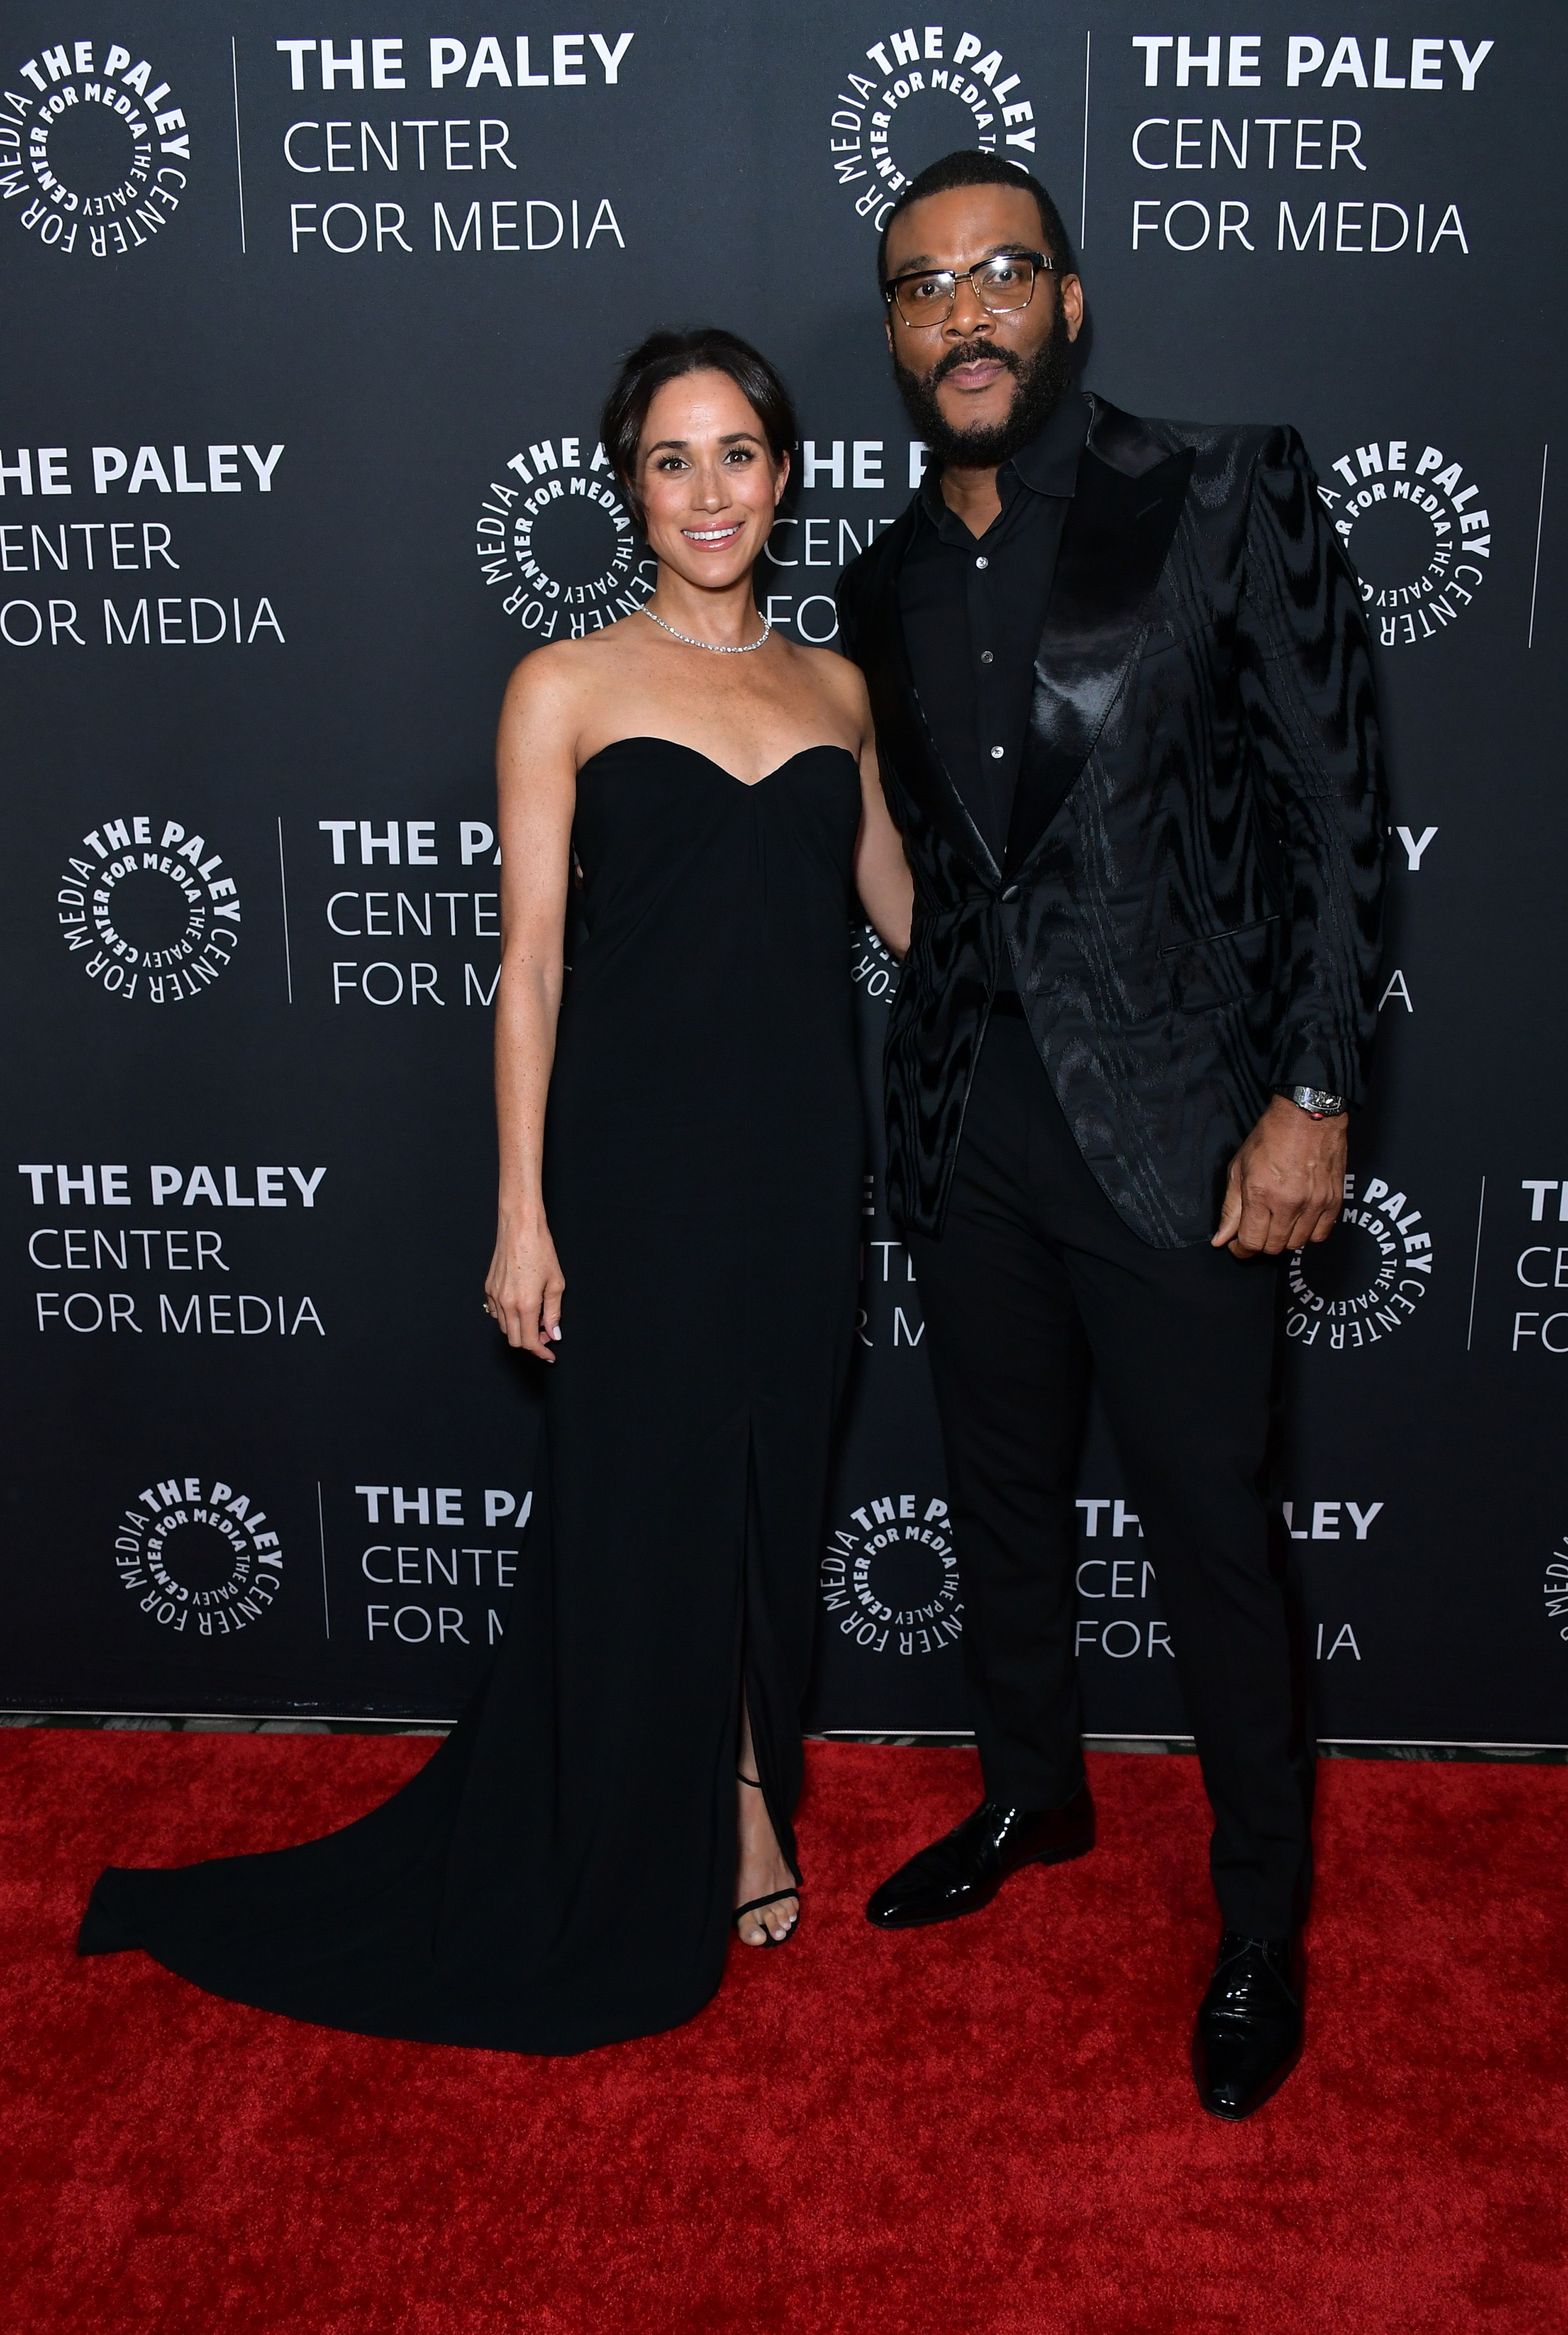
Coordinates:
1010	892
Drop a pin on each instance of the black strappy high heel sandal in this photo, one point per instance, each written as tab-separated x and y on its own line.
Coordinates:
755	1904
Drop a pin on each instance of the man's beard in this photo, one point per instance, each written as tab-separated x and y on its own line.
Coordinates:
1041	382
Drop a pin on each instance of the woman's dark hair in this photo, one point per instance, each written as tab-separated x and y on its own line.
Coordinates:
970	167
666	356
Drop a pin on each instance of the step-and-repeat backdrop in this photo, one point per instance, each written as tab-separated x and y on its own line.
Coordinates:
306	334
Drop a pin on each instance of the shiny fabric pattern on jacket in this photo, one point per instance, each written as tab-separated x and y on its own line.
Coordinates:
1192	895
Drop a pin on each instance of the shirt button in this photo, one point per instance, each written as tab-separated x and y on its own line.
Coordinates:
982	562
985	656
997	752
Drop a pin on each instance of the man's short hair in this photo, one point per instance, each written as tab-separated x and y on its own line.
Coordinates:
970	167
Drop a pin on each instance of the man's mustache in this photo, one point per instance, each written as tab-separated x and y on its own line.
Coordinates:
973	353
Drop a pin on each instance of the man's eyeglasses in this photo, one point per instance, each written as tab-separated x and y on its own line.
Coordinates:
926	296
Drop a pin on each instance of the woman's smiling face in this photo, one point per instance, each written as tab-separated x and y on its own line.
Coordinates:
707	480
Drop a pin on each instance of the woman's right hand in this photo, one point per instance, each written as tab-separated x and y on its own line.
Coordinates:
525	1285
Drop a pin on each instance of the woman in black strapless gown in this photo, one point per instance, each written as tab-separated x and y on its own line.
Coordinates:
562	1872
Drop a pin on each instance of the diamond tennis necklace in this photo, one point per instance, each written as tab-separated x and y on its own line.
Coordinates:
718	648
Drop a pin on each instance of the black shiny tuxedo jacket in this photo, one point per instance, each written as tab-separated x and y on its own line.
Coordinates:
1190	898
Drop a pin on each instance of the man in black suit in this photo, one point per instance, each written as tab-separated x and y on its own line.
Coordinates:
1123	703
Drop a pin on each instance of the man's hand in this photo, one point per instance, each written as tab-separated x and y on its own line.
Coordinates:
1286	1183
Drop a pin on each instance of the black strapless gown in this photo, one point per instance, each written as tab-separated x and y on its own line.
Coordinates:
561	1873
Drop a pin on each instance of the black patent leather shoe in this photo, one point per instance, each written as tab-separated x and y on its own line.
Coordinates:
1248	2035
963	1871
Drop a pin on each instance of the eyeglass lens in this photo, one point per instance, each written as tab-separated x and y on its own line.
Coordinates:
999	285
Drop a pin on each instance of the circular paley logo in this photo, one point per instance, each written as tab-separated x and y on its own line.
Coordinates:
147	912
1554	1590
1367	1279
199	1558
1415	525
933	90
95	148
873	965
890	1579
555	538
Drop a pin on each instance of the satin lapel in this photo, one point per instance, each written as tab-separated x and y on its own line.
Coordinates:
1113	541
902	728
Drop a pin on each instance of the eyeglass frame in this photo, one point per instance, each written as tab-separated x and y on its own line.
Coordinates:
1040	260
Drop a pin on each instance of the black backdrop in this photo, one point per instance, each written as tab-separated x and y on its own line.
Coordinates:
306	335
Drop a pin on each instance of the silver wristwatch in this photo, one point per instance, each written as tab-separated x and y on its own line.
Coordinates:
1314	1101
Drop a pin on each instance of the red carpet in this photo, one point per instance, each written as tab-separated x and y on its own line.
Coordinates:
987	2127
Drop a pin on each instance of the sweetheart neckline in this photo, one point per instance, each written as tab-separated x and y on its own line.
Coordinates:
826	746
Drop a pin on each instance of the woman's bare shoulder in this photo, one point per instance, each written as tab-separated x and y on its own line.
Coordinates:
566	664
838	681
561	678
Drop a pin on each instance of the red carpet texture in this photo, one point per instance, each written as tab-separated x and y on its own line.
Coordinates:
990	2126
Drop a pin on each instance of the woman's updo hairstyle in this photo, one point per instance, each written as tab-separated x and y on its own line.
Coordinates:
666	356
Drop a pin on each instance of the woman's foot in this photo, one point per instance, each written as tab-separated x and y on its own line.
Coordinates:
761	1872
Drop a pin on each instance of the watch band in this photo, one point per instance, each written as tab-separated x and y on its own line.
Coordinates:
1315	1102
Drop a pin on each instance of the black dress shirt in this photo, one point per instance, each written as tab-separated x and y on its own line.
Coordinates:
972	608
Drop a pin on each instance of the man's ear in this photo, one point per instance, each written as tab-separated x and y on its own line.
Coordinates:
1071	299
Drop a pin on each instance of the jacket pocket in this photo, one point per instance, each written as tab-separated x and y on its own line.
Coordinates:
1218	969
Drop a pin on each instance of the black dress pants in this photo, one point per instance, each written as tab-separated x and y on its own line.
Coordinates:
1034	1278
